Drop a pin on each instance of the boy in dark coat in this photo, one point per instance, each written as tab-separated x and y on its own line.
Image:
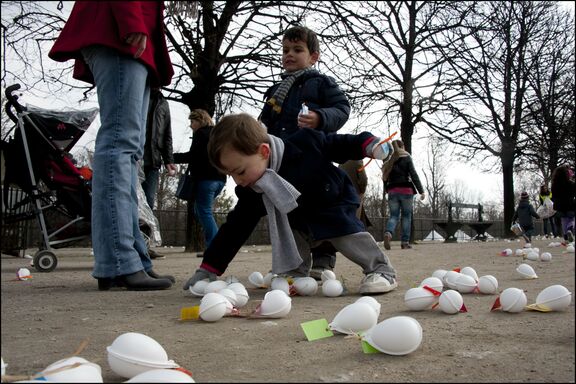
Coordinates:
306	197
524	214
327	105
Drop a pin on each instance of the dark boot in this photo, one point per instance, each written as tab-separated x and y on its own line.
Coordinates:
153	274
138	281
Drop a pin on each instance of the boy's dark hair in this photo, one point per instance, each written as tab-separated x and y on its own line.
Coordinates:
301	33
240	132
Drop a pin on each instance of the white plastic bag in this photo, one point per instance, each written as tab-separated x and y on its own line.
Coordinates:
546	210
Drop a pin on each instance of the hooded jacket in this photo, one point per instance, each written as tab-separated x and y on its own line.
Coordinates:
327	204
524	213
320	93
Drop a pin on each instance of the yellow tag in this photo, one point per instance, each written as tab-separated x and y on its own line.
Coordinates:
190	313
538	307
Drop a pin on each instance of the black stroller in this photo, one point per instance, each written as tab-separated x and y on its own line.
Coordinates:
37	160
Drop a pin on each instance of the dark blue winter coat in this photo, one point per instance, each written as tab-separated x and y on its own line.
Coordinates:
327	204
524	213
320	93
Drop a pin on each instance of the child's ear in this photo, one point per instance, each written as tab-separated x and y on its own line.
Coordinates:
265	150
314	57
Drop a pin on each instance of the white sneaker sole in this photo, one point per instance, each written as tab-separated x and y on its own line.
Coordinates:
375	289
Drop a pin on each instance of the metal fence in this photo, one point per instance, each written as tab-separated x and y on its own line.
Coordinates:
26	234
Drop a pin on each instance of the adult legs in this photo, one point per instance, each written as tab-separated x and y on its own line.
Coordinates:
406	206
150	185
123	93
206	193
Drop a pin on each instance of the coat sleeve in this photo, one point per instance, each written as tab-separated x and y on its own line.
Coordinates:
337	108
415	178
239	225
129	18
167	150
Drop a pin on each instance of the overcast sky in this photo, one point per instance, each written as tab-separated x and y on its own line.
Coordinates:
483	187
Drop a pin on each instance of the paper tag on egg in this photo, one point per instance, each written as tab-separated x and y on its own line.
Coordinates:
316	329
538	307
367	348
190	313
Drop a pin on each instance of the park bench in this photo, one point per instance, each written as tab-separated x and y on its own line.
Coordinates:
450	227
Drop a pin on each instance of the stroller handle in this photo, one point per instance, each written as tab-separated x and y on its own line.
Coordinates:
13	102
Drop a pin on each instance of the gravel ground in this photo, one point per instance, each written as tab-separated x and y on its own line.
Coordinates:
47	317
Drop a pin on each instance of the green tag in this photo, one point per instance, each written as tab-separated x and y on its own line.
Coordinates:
367	348
316	329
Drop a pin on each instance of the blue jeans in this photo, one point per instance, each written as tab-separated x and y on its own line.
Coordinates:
400	202
123	94
206	193
150	185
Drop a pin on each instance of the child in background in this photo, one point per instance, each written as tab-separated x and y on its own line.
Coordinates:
306	197
524	214
305	98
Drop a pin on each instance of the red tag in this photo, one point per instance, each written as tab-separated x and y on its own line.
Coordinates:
457	269
184	370
496	304
463	308
435	292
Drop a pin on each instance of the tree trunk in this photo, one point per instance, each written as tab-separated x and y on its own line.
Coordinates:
508	183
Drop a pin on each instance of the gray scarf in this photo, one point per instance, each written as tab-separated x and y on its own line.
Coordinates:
288	79
279	197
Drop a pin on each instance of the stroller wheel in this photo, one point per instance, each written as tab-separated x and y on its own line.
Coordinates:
45	261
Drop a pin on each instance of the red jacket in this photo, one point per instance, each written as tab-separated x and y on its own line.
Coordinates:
108	23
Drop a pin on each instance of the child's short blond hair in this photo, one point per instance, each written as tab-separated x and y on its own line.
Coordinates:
240	132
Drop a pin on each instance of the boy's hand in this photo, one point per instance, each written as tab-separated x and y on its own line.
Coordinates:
309	120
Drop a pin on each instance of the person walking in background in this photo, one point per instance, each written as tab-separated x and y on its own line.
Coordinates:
158	147
157	150
305	98
545	195
120	47
563	197
207	180
524	213
401	183
305	197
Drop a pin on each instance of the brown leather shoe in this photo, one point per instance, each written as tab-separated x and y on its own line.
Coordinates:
406	246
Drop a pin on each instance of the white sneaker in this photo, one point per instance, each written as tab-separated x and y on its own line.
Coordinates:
375	283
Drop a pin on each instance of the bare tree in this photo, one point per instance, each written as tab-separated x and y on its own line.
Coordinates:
549	124
491	61
390	66
435	176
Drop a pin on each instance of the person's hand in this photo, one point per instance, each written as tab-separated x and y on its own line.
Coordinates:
422	195
200	274
309	120
171	169
138	40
